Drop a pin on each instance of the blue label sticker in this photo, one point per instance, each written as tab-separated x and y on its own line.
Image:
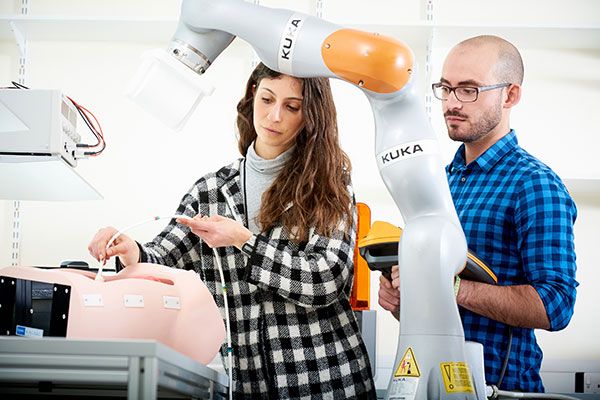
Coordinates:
28	331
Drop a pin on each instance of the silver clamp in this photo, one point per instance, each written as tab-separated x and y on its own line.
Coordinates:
189	56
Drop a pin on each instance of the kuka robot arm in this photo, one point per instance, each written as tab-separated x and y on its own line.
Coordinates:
433	247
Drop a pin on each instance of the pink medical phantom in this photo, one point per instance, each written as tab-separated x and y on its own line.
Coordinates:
142	301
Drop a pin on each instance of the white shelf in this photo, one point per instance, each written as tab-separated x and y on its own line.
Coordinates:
524	36
127	29
530	36
42	178
587	187
416	34
86	28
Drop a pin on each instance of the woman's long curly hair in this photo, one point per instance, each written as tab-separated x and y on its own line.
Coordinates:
316	176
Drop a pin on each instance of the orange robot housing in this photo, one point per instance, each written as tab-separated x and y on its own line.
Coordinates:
378	63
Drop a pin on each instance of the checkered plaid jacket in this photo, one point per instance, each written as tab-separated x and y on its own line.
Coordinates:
294	334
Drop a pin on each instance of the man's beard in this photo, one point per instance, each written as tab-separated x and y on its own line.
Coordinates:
479	129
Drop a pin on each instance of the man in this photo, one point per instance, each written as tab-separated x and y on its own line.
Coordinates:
515	211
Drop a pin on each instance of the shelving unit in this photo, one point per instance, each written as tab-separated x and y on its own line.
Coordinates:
550	33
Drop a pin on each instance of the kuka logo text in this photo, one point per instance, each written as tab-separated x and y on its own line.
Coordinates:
401	152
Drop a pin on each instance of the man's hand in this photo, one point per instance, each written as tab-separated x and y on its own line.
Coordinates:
389	292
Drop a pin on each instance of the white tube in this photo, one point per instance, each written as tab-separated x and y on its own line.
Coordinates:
504	394
226	306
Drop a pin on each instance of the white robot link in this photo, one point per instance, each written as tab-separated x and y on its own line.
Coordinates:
430	361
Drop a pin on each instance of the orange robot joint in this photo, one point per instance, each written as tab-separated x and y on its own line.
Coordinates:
378	63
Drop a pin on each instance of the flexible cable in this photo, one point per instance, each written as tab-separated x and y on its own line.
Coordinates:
17	85
505	363
96	129
517	395
505	394
229	347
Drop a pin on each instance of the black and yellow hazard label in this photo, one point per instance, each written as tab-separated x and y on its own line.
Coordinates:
457	377
408	365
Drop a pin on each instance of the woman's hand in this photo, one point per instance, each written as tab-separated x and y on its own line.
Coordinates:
218	231
389	292
123	246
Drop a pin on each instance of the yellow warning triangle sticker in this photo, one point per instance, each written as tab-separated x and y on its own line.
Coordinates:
408	365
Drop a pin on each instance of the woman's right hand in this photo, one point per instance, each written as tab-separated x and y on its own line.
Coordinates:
123	246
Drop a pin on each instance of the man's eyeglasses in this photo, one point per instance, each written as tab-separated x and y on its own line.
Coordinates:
464	94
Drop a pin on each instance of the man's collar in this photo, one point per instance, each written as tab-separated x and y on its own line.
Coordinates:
490	157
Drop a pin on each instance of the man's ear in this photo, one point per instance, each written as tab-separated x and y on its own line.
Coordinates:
513	95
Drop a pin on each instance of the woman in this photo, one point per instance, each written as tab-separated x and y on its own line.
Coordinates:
282	220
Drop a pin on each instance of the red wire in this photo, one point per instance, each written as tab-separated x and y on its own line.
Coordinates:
99	128
94	122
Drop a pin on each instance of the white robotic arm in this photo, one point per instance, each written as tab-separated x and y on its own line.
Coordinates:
292	43
430	362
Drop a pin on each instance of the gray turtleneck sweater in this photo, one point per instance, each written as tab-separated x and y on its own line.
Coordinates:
257	175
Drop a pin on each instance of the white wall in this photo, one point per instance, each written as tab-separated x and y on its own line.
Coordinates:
146	168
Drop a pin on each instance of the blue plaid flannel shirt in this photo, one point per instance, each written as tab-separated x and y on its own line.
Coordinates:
518	217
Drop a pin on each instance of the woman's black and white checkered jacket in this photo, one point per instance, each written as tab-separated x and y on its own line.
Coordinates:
294	334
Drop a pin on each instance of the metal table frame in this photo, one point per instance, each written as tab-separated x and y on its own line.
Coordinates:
138	369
